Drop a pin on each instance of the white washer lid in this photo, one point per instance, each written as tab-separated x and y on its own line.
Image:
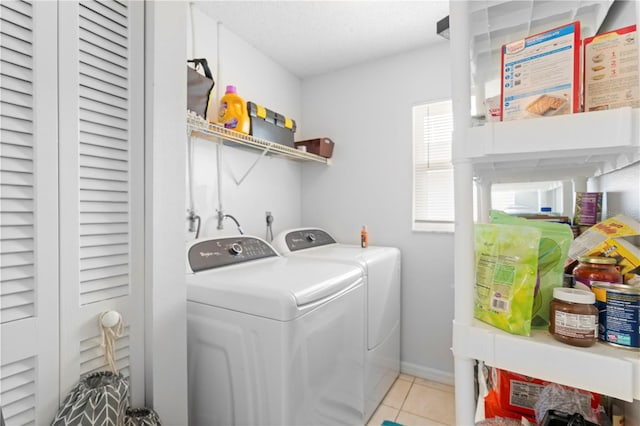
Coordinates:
323	246
280	288
347	253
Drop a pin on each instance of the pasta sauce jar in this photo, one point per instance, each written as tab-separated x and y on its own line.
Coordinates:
595	268
573	317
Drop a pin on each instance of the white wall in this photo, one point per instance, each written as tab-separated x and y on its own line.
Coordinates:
274	184
622	192
366	111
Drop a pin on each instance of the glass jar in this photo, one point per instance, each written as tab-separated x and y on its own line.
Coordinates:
573	317
596	268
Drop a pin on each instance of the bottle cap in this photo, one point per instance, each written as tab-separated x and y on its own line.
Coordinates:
574	295
231	89
600	260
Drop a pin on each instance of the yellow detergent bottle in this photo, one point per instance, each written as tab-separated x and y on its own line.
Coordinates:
233	111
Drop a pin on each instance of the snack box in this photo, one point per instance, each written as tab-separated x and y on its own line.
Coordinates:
607	238
611	70
541	74
618	226
319	146
626	254
271	126
519	393
588	210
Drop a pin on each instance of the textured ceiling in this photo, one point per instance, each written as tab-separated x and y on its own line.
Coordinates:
315	37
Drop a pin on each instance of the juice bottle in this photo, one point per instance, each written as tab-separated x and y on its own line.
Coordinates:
233	111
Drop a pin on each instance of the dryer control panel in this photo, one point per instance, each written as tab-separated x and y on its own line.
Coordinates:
217	252
307	238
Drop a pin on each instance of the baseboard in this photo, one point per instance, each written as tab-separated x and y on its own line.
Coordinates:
427	373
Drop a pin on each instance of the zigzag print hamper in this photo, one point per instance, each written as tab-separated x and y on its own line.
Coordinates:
141	417
99	399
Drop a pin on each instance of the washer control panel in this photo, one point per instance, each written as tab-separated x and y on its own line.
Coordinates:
218	252
307	238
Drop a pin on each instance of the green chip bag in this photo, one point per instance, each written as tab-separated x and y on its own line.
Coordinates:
506	265
554	246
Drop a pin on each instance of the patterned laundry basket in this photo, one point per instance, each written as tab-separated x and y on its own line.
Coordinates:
141	417
99	399
102	399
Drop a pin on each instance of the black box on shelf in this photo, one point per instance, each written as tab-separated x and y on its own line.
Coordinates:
271	126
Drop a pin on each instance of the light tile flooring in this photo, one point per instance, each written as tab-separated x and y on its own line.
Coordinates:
413	401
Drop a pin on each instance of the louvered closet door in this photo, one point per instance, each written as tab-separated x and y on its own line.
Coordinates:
101	186
28	213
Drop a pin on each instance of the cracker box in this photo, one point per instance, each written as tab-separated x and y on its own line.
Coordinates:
541	74
618	226
610	238
626	254
611	70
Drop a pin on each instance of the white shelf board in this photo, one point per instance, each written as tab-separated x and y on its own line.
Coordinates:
581	144
601	368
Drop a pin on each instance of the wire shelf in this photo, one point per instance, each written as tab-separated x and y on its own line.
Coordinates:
201	128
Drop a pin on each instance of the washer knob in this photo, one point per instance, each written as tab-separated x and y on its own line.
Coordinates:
311	238
235	249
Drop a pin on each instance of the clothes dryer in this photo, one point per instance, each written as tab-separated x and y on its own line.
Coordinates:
272	340
381	270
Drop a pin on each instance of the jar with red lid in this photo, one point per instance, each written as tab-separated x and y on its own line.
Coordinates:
596	268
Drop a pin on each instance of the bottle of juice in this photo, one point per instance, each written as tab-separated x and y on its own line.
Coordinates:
233	111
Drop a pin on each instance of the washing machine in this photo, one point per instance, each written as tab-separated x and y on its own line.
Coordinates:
381	271
272	340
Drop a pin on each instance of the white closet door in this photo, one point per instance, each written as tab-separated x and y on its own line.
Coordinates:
101	192
28	213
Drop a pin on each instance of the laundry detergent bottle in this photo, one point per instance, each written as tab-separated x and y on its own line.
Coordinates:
233	111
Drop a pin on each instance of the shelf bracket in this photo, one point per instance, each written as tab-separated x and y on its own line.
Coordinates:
251	167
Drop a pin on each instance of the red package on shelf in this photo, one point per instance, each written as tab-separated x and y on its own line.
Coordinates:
493	409
519	393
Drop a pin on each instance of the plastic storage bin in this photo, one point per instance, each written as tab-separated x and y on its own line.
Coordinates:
271	126
320	146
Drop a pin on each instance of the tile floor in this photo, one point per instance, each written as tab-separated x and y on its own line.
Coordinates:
413	401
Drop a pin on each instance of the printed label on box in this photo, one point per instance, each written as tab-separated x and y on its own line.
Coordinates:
540	74
611	70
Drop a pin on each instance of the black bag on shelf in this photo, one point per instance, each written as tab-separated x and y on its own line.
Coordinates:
199	86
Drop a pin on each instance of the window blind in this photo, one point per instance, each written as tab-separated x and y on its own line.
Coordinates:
433	171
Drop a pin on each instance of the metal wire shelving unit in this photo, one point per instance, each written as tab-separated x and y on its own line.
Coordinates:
200	128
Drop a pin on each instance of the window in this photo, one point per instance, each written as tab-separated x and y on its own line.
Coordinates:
432	167
529	197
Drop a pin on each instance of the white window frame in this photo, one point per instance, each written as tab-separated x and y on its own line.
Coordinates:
425	216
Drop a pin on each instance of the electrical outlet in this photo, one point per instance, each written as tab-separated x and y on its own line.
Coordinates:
269	217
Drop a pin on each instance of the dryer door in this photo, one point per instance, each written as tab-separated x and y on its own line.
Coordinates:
383	294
